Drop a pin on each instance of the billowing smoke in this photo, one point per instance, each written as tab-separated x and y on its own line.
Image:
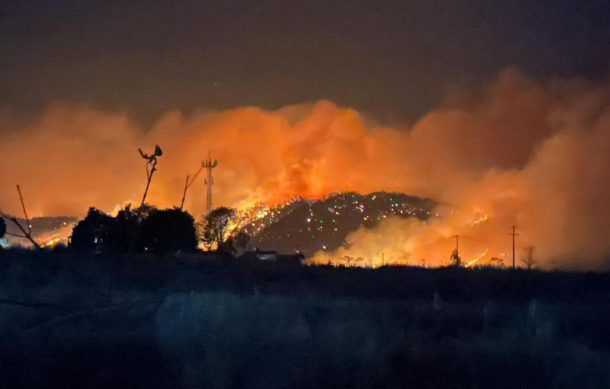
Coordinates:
520	152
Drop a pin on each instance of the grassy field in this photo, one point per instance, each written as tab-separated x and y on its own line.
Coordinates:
70	320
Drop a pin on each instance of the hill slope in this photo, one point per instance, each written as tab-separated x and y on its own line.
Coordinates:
311	225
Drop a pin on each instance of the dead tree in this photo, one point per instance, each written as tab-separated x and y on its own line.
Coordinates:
27	233
528	258
188	184
151	168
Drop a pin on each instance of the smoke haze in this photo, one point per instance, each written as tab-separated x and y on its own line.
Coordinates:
523	152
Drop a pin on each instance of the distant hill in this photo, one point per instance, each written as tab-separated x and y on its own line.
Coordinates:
299	225
46	230
307	226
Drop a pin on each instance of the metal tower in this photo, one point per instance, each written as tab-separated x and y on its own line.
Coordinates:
209	164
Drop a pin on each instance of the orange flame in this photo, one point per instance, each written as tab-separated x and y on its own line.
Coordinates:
522	151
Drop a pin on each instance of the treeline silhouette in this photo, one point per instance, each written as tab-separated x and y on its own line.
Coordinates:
142	230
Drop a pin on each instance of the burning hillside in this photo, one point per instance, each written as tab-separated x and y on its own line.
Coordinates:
48	231
308	226
534	154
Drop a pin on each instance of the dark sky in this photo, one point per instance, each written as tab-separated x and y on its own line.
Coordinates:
390	58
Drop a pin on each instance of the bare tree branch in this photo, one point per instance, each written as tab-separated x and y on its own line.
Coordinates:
27	234
189	182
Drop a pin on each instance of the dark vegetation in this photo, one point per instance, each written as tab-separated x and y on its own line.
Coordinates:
145	229
211	320
214	226
132	303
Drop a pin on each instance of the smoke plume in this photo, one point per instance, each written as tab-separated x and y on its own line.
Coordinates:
520	152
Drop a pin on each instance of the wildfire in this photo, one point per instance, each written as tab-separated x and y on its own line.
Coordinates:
482	218
473	261
52	242
456	155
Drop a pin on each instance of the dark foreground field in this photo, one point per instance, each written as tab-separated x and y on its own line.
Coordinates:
197	321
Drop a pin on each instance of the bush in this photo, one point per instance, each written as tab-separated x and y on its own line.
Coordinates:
96	231
142	230
167	230
126	228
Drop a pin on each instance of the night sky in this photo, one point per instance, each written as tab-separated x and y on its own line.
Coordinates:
392	59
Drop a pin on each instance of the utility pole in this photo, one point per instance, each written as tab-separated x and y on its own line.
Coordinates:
209	165
514	234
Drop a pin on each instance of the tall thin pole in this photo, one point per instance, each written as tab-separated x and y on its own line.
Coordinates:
514	234
209	165
210	183
149	175
25	212
186	187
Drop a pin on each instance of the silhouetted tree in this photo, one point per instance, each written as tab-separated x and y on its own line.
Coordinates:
346	260
167	230
455	258
528	257
214	226
136	230
497	262
96	231
126	228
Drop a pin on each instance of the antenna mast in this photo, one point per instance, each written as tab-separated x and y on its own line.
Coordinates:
209	165
514	234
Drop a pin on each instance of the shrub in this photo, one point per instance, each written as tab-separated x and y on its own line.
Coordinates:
146	229
167	230
95	231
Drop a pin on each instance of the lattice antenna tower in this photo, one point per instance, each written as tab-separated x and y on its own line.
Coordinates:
209	165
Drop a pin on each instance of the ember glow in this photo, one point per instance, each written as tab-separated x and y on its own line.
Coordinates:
521	152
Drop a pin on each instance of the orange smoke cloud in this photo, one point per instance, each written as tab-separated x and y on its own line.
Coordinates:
521	152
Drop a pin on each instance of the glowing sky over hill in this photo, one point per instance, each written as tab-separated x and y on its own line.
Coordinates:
497	110
519	152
